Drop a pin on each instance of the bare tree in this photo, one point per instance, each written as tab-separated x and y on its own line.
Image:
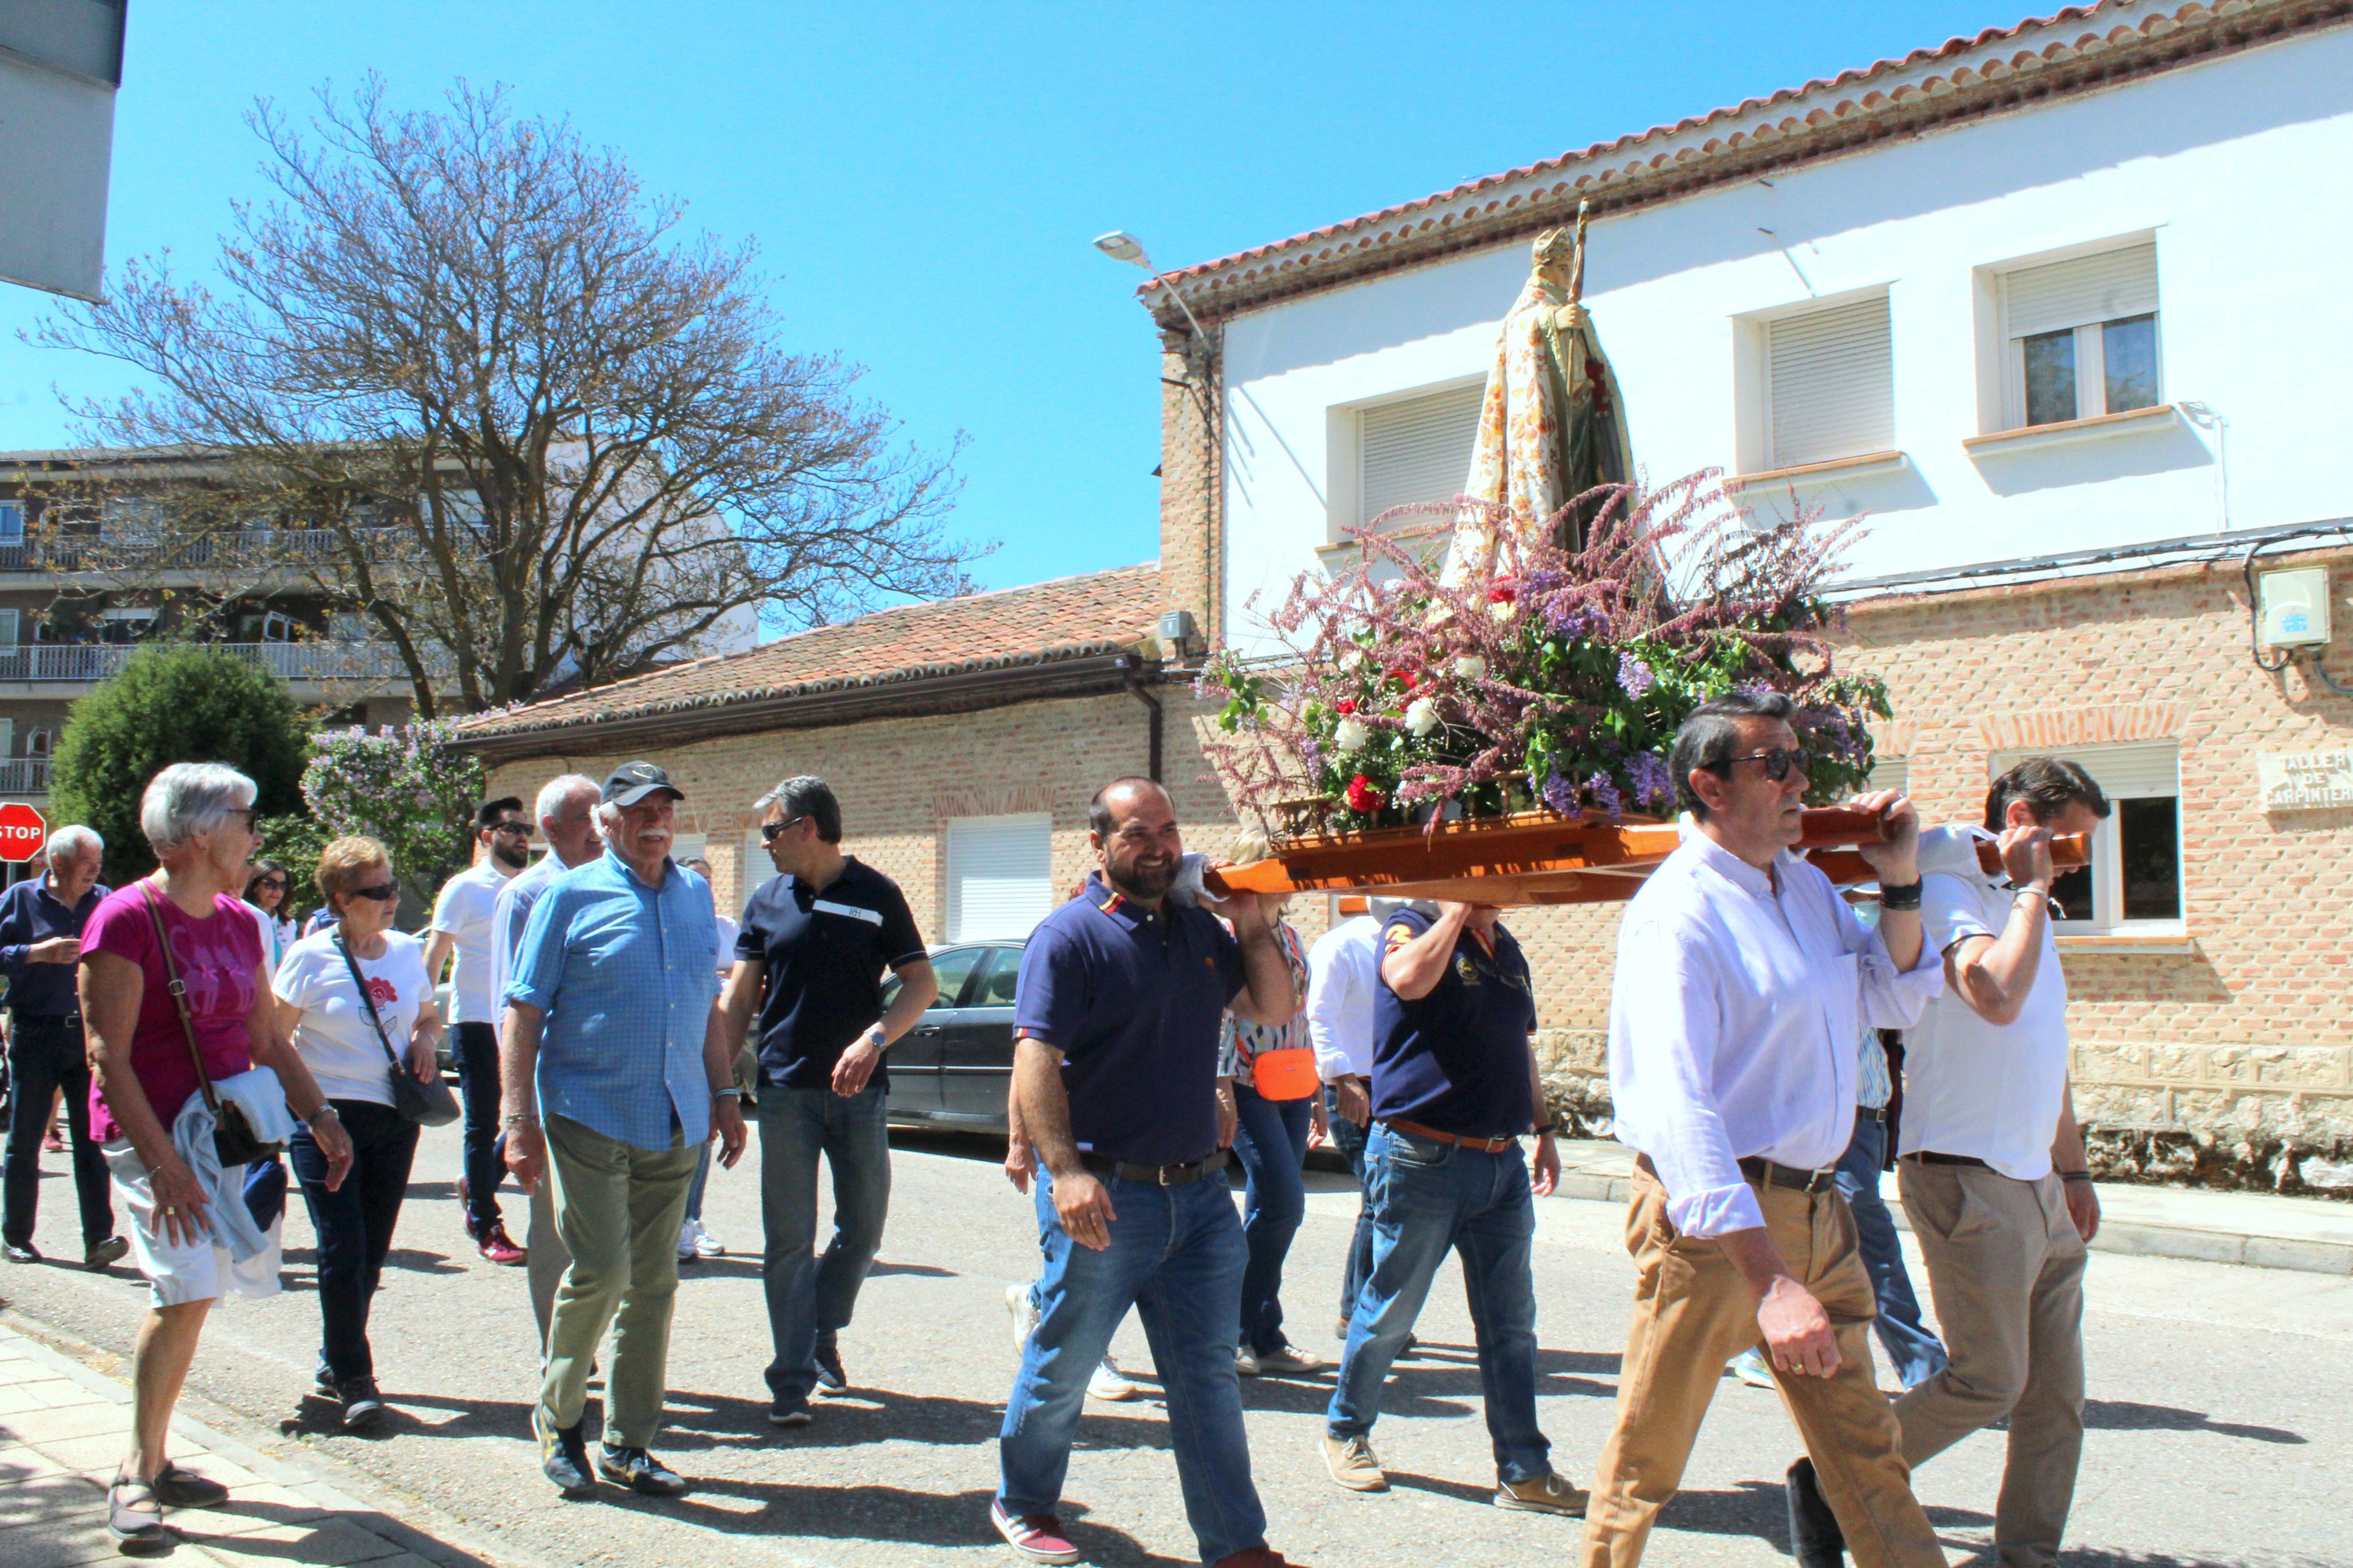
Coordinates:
553	436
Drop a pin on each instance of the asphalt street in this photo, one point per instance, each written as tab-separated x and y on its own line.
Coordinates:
2221	1415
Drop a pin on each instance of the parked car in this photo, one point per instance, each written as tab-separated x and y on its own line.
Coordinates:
955	1066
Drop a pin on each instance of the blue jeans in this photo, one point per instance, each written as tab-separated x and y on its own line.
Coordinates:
1270	1141
1430	1197
474	1049
355	1224
694	1188
1176	1255
1914	1354
1349	1139
807	1297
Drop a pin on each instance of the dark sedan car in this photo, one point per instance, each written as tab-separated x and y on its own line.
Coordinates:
954	1067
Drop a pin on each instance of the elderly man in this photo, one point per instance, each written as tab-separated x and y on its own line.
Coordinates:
41	922
567	810
616	1072
1116	1027
815	946
1993	1173
1742	980
461	925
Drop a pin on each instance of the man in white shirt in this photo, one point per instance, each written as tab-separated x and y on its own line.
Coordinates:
1343	968
461	925
566	809
1990	1137
1742	979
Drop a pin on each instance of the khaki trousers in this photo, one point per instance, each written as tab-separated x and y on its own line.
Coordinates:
618	1209
549	1258
1692	1313
2006	1271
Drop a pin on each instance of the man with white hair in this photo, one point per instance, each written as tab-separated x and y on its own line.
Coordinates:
567	810
41	922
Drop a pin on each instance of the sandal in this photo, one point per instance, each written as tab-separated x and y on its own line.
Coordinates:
178	1488
128	1523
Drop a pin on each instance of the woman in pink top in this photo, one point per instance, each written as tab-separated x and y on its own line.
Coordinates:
198	818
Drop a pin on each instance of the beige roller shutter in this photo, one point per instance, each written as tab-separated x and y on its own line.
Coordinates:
2082	292
1416	449
1830	383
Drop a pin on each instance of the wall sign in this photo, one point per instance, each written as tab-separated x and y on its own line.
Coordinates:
2305	781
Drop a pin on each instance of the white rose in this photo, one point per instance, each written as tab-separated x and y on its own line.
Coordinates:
1352	735
1500	609
1421	716
1470	666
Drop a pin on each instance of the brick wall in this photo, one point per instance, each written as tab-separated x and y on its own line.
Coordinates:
1191	553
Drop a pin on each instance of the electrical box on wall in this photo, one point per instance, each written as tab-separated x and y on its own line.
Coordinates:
2292	608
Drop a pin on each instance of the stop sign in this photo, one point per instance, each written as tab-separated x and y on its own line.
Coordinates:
23	831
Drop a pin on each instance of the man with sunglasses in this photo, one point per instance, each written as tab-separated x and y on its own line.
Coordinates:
814	949
461	924
1742	980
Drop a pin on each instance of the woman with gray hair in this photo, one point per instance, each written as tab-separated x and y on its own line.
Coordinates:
153	1053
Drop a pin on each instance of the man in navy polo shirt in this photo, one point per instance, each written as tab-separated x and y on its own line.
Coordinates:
815	946
1454	1086
1115	1068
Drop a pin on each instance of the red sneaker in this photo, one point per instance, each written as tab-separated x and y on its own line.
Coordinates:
1037	1536
499	1247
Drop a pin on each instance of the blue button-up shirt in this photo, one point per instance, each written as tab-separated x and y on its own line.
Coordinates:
623	973
30	913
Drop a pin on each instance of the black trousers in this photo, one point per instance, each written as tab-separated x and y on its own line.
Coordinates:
355	1224
475	1047
45	1054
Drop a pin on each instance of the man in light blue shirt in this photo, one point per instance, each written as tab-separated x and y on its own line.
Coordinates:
612	1040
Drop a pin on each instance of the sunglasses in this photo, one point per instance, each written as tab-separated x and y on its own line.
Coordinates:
772	831
521	829
383	892
1780	763
278	883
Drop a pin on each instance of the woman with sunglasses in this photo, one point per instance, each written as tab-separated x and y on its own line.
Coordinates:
344	1039
265	889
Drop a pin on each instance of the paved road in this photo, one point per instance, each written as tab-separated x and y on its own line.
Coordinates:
2222	1419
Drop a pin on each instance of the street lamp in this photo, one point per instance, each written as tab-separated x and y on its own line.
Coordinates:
1122	246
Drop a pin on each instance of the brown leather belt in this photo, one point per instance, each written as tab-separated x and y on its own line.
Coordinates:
1416	1129
1158	1176
1929	1157
1766	1174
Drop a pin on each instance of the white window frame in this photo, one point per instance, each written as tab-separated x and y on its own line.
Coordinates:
1041	823
12	624
2148	770
2091	343
1813	314
37	741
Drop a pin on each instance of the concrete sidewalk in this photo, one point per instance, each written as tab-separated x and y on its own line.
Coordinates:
2261	1230
63	1431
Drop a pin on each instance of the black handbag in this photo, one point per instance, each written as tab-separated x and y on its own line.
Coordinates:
234	1141
428	1104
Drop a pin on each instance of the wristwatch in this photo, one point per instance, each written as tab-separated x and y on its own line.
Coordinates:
519	1119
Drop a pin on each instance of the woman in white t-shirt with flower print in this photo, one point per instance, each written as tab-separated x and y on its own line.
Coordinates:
320	1005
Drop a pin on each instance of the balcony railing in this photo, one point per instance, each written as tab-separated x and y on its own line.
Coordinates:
286	660
125	548
24	775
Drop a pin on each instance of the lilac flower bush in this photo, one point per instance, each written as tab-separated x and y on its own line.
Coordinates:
401	786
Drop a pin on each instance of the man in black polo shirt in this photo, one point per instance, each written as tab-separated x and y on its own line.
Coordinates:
810	959
1115	1067
1454	1086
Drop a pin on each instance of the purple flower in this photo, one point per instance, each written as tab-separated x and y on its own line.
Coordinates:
1572	621
1652	780
1634	676
1606	796
1560	794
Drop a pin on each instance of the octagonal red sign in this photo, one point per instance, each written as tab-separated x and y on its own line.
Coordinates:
23	831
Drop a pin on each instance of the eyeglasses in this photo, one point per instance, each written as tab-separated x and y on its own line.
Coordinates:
383	892
1780	763
772	831
521	829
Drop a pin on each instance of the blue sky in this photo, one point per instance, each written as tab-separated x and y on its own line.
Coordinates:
924	179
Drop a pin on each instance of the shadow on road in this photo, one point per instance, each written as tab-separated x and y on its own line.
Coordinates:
2127	1415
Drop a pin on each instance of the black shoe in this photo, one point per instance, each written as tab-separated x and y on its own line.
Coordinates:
639	1471
363	1408
783	1412
1815	1539
830	1378
564	1456
100	1254
323	1380
178	1488
21	1252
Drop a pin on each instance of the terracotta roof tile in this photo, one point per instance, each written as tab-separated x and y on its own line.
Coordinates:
1067	617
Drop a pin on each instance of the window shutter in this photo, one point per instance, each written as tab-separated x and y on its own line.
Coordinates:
1830	383
1418	450
2123	772
2078	293
12	522
1001	877
8	626
1890	773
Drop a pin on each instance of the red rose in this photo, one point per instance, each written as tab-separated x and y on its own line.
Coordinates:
1505	592
1404	677
1364	797
1346	705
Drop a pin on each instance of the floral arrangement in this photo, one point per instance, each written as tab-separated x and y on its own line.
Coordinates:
1550	676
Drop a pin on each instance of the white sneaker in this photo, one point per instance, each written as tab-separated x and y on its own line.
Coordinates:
705	1244
1107	1382
1019	1303
688	1235
1287	1361
1245	1361
1749	1367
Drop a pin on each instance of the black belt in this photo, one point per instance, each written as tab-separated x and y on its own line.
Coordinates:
1156	1175
1929	1157
1871	1113
20	1019
1766	1174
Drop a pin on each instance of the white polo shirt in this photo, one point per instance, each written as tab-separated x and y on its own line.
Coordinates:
463	910
1990	1091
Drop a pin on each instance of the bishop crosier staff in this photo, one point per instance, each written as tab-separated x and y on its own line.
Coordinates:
1742	981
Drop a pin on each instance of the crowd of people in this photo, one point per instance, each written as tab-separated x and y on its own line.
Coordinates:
1771	1052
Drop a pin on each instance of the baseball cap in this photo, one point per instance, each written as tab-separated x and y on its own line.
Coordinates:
632	782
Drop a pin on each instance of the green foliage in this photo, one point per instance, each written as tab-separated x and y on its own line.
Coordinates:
172	703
